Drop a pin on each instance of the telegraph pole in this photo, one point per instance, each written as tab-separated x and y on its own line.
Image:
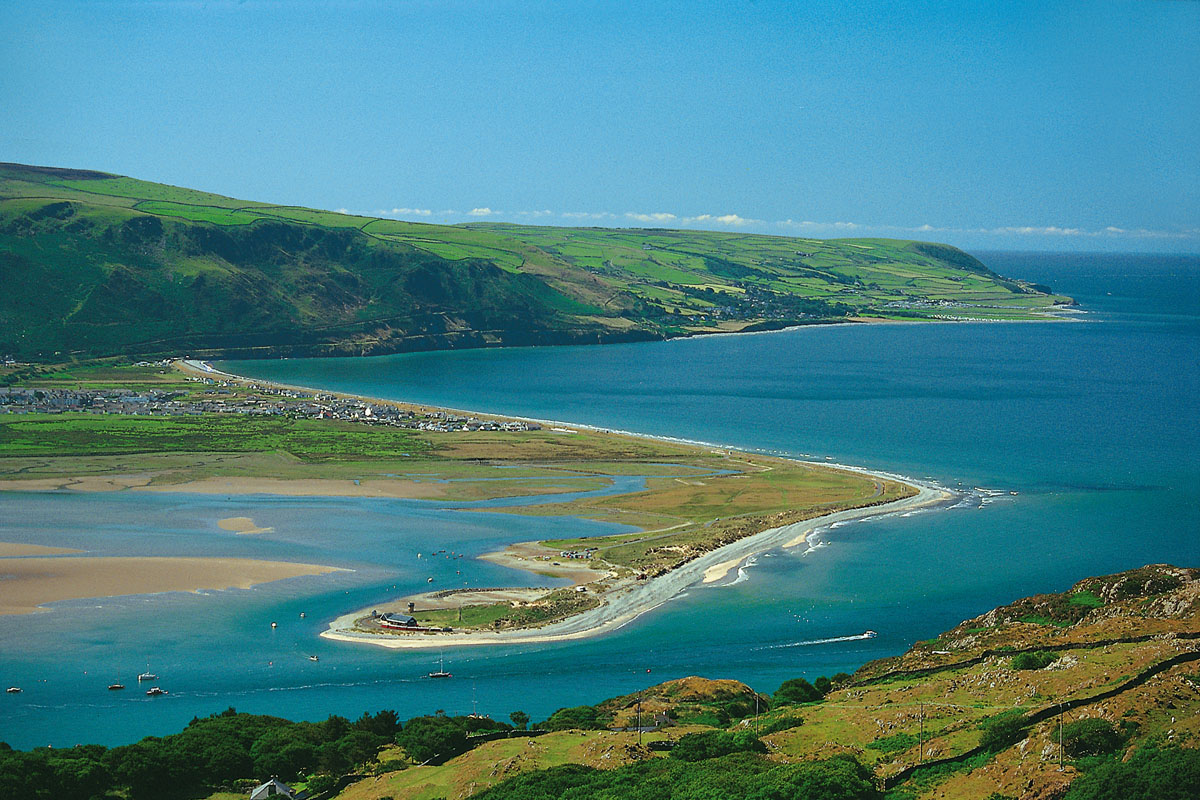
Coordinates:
639	717
921	740
755	713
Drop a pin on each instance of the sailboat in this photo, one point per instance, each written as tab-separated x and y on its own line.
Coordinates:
147	675
441	670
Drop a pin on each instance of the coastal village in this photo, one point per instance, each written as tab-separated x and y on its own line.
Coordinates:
241	397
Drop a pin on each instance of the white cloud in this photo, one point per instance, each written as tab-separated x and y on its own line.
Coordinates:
810	225
660	216
411	212
341	211
724	219
586	215
481	212
535	214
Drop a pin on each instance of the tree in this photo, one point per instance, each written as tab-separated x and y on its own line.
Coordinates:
796	690
519	719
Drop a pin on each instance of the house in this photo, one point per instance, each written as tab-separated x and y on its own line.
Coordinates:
274	788
398	621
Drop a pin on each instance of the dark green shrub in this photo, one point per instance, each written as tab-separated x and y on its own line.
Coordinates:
713	744
1171	774
1090	737
1036	660
1002	731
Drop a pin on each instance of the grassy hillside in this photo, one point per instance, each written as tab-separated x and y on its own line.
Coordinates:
973	714
97	264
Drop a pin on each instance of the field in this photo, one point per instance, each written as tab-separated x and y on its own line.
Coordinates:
98	264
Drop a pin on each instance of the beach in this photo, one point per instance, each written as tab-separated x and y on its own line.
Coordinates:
28	583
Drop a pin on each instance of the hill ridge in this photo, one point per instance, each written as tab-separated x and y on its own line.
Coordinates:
100	264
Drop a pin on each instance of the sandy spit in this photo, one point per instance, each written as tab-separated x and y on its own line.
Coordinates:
632	600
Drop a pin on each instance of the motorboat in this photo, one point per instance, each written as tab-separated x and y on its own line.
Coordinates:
155	691
870	634
13	690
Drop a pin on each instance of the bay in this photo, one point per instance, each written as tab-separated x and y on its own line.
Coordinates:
1092	423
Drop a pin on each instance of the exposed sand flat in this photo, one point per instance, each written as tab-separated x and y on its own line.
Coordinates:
27	583
241	525
11	549
307	487
111	483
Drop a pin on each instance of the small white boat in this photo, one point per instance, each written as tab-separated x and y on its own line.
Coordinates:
314	658
274	624
13	690
441	671
870	634
147	676
154	691
116	687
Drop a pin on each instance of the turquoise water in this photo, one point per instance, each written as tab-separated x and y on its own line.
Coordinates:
1093	424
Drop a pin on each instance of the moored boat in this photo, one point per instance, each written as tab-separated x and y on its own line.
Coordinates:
154	691
114	687
13	690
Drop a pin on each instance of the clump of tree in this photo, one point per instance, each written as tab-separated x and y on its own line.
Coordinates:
585	718
798	690
209	754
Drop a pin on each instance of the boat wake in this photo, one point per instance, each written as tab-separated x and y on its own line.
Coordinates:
808	642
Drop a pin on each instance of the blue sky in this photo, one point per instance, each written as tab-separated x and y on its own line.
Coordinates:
1045	125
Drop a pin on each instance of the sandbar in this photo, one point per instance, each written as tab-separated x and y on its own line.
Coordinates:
13	549
28	583
241	525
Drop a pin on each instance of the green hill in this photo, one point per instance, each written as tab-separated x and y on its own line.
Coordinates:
96	264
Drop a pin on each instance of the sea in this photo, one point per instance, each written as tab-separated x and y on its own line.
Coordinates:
1075	443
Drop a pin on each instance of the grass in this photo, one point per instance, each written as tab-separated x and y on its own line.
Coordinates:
491	762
